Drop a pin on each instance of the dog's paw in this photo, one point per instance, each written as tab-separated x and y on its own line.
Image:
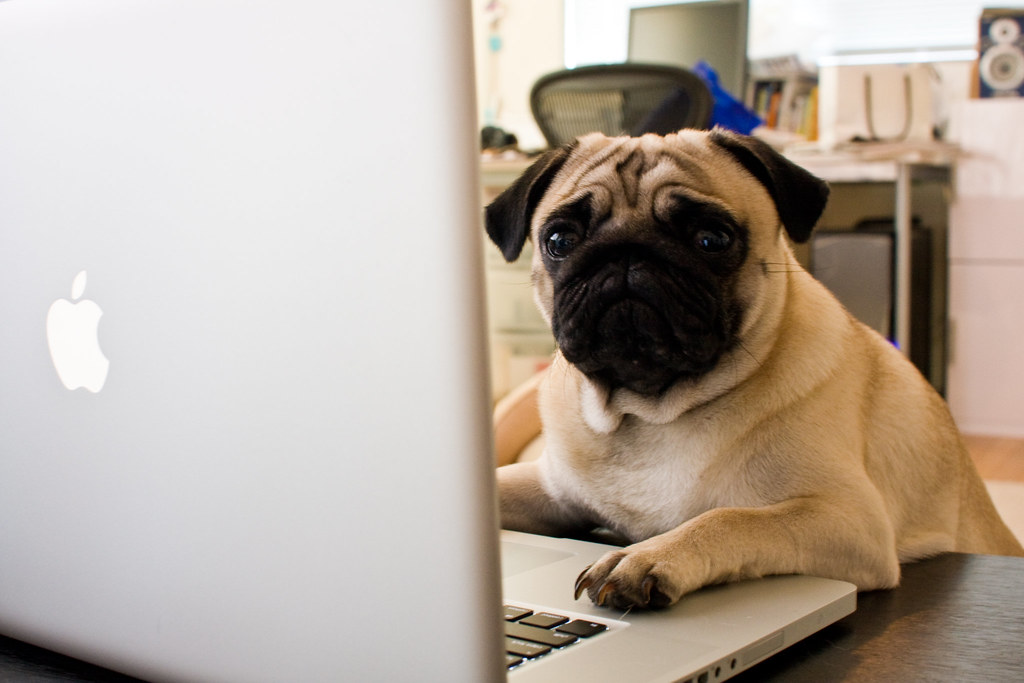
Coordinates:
633	577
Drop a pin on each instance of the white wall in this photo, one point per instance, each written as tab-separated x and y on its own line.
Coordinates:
532	44
986	251
597	30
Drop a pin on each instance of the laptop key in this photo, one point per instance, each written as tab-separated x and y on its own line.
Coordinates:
522	648
544	620
512	612
539	635
530	635
581	628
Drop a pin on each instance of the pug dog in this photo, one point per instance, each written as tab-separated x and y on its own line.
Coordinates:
710	402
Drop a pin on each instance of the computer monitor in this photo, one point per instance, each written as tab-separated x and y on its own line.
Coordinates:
683	34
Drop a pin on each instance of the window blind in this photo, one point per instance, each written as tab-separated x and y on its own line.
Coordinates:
597	30
888	25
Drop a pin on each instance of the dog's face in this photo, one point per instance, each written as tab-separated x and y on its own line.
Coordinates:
649	252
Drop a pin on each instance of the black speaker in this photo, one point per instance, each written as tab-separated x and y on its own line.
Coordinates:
1001	53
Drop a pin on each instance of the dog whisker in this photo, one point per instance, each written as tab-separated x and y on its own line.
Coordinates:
747	351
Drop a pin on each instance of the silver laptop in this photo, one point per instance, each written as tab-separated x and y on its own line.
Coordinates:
244	420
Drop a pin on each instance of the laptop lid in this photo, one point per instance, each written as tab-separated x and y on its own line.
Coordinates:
278	438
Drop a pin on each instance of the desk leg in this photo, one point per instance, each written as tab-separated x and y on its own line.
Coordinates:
901	267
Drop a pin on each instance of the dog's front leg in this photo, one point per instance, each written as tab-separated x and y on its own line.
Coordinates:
798	536
527	506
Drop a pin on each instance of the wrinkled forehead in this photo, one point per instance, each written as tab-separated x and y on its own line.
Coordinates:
645	175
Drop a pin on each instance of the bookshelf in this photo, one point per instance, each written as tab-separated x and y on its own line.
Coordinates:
785	95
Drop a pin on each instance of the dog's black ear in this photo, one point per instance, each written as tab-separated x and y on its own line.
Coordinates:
508	217
799	196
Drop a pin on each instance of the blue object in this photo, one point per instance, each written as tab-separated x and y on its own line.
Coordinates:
728	111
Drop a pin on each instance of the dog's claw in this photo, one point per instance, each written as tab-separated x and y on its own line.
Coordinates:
583	582
602	595
605	592
653	597
648	586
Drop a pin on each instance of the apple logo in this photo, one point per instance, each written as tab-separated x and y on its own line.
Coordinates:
73	335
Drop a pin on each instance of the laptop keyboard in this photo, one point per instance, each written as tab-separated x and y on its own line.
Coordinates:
529	634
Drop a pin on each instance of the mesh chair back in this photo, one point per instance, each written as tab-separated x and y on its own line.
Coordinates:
619	99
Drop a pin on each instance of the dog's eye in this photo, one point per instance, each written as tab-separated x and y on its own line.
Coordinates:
561	244
713	240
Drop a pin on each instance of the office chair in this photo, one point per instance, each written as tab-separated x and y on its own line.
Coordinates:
619	99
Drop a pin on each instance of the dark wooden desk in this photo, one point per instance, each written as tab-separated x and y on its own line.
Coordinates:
956	617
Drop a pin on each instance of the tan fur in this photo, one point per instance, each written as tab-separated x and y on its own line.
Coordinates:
813	448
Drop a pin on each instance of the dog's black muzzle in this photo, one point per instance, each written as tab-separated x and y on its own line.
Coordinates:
631	317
